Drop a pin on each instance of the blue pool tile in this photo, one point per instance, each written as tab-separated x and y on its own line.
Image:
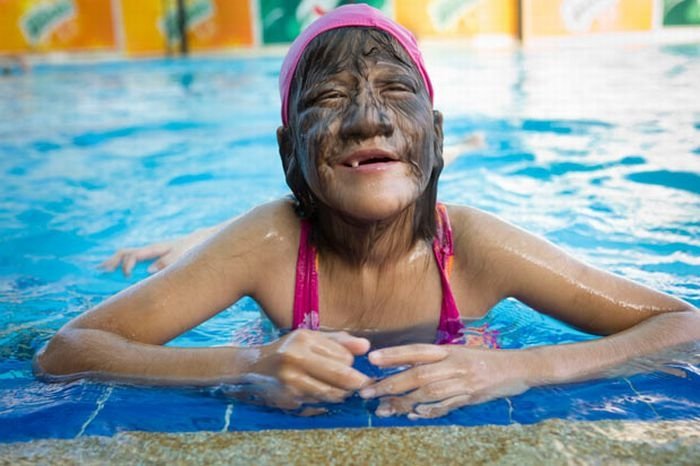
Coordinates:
352	413
155	410
671	396
47	411
591	401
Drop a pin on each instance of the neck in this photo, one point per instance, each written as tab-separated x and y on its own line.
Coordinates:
373	243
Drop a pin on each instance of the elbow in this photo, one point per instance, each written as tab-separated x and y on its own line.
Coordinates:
684	324
692	317
60	357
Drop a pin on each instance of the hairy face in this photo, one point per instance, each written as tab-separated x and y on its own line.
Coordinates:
361	125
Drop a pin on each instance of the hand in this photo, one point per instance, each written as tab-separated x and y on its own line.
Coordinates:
443	378
166	253
303	367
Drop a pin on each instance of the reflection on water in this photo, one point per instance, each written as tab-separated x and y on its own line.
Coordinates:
596	149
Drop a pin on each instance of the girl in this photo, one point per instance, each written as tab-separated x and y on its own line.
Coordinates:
365	248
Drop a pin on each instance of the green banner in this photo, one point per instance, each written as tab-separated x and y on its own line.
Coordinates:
283	20
681	12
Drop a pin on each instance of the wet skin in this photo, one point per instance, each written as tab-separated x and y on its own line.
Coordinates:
349	108
362	130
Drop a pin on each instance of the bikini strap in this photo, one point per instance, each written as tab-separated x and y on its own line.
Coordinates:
451	328
306	315
306	283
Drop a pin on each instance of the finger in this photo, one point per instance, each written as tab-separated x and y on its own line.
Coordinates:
169	258
341	346
157	266
427	395
356	345
433	410
141	254
312	411
440	390
128	265
336	374
408	354
309	386
322	358
114	261
395	405
129	257
317	343
386	407
407	381
151	252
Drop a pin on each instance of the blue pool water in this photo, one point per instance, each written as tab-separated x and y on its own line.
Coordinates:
598	150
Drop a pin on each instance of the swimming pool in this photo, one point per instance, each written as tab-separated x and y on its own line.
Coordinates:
596	149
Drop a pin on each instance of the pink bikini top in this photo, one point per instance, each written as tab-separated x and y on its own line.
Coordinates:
449	331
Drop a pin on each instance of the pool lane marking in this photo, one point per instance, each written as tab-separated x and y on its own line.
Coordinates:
227	417
642	398
510	410
100	404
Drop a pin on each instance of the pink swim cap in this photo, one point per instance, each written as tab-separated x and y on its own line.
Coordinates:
348	15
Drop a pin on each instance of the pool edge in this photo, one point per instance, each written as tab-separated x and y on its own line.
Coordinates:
552	441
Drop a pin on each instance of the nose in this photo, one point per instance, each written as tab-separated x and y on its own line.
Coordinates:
366	118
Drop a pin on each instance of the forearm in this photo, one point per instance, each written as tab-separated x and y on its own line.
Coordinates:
580	361
97	353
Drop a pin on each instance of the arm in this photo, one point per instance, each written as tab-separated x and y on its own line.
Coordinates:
636	320
122	338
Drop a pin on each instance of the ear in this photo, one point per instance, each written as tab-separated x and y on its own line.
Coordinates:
284	143
438	134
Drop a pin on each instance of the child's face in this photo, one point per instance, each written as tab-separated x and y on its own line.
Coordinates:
364	132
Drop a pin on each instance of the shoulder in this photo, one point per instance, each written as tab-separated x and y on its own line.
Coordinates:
274	214
483	233
472	226
485	245
503	253
250	249
266	230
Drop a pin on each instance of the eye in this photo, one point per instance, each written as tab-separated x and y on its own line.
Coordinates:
328	96
397	88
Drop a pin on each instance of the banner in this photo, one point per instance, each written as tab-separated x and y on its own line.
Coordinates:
55	25
681	12
567	17
282	20
458	18
150	26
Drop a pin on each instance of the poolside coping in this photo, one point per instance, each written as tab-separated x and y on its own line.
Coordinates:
549	442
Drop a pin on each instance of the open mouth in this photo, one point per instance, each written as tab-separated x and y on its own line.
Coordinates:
368	157
357	163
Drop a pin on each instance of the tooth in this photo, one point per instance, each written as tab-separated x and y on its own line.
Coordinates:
355	164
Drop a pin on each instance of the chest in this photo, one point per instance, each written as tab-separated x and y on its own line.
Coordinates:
382	300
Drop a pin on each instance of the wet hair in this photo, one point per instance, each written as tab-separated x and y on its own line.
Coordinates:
325	50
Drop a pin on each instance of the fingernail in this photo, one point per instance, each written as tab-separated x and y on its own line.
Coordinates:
422	409
367	393
384	411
